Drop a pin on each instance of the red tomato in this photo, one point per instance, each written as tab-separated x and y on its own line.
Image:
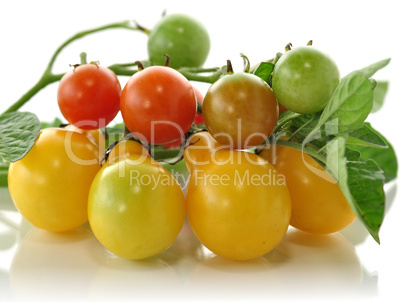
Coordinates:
197	121
200	99
89	96
158	105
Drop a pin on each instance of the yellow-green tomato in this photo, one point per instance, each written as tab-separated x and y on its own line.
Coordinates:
50	185
238	206
136	208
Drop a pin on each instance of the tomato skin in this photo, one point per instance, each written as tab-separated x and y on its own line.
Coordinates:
237	220
95	135
229	116
130	213
200	99
200	149
125	149
318	204
183	38
89	96
50	185
304	79
197	121
158	105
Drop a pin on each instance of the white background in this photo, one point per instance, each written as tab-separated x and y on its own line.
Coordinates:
354	33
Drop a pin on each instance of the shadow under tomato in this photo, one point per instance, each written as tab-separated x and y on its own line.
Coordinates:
326	265
54	266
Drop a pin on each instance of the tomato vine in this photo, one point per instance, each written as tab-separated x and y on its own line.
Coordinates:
337	137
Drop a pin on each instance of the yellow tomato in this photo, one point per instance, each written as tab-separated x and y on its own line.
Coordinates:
318	204
95	135
50	185
199	150
237	205
125	149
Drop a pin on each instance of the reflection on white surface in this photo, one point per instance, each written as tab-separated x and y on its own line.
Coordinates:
41	266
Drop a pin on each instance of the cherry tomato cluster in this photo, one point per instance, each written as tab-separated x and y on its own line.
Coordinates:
239	204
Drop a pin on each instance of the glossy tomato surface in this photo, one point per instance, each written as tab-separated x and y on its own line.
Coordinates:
240	110
237	206
158	105
89	96
318	204
183	38
50	185
136	208
304	79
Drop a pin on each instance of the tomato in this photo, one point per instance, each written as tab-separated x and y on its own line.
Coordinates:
89	96
158	105
50	185
183	38
197	121
318	204
200	99
237	206
125	149
304	79
199	150
136	208
240	110
95	135
282	109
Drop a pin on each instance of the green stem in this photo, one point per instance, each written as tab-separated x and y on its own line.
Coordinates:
165	154
125	24
45	80
48	77
196	74
83	58
192	74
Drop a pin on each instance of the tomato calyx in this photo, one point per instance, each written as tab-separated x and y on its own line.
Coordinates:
142	28
229	67
167	62
246	62
83	62
127	137
139	65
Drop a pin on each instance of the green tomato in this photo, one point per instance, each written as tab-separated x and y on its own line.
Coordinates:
304	79
136	208
183	38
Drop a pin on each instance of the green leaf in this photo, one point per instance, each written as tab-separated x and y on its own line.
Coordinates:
385	158
348	108
370	70
362	183
366	136
365	183
264	71
380	92
18	132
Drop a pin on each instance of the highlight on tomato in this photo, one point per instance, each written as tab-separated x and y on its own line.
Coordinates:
237	205
136	208
318	204
240	110
89	96
304	79
50	185
158	105
183	38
